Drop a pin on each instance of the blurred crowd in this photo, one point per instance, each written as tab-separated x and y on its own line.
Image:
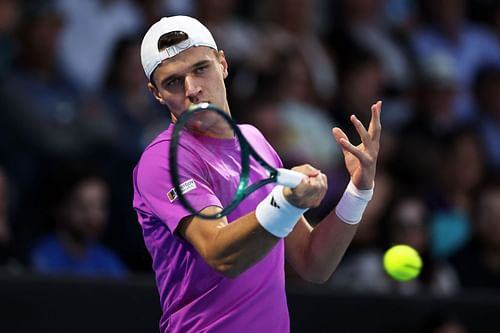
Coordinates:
76	114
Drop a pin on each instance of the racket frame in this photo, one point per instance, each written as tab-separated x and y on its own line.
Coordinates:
246	151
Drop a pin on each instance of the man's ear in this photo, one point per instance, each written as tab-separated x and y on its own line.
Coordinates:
155	92
223	62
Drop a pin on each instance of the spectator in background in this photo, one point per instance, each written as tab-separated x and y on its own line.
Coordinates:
78	211
478	264
487	96
361	79
42	103
361	25
40	106
362	21
91	29
446	30
136	118
291	22
437	88
461	171
242	40
432	119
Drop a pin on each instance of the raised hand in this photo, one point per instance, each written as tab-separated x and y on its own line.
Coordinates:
361	160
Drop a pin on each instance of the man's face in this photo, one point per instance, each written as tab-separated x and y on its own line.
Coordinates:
191	77
85	213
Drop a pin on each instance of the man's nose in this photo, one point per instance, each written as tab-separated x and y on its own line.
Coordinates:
192	87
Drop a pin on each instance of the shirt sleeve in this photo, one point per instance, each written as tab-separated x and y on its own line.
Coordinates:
155	187
257	139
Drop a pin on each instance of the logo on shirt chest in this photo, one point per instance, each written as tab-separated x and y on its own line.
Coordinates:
185	187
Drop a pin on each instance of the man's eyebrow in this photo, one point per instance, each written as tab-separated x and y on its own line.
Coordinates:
195	65
201	63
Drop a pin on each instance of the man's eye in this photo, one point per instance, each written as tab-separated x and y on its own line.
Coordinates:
200	69
173	82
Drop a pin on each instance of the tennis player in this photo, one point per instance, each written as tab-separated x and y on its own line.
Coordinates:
227	275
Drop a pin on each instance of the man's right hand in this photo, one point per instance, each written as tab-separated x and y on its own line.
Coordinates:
311	190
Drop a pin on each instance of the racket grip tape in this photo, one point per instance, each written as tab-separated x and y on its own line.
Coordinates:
276	214
289	178
353	203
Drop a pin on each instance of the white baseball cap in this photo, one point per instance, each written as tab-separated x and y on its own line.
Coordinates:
198	35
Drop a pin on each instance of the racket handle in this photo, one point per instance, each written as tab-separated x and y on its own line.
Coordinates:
289	178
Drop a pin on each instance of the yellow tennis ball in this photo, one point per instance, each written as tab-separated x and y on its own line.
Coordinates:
402	262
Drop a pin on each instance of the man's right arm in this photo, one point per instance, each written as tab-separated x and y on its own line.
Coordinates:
232	248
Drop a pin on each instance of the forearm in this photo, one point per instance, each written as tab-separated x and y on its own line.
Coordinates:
328	243
237	246
315	253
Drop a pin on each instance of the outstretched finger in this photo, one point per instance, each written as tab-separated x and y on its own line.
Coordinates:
347	147
375	127
362	132
340	135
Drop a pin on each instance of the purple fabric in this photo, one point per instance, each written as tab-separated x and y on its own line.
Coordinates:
194	297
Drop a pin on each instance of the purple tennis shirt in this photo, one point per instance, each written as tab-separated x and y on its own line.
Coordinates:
193	296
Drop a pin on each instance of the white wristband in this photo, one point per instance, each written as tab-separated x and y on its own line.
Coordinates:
276	214
352	205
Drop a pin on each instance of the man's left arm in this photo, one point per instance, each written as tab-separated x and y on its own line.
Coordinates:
315	252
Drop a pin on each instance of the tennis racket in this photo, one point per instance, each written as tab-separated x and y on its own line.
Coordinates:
207	122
